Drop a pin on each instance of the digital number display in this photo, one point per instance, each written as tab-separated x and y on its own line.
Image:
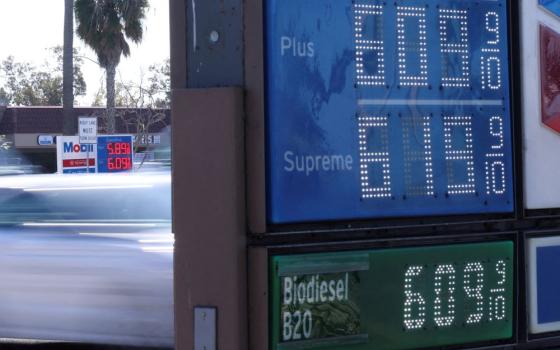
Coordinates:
119	148
114	153
387	109
403	298
119	163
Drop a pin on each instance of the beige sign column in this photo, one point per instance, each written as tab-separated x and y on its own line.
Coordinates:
208	213
210	268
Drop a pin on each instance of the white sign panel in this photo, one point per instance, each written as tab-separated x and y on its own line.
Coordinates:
45	140
87	129
75	157
151	139
541	140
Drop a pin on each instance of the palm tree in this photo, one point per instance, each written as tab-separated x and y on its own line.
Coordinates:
68	70
104	25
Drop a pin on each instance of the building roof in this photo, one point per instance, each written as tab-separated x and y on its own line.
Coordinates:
49	120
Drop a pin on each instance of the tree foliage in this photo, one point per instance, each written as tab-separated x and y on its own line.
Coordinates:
151	90
141	103
105	26
25	84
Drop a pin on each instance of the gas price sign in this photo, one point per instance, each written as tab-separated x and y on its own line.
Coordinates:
387	109
404	298
114	153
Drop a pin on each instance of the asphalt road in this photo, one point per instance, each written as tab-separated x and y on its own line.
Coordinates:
102	286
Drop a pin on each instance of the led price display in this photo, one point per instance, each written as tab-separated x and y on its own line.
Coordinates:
544	284
114	153
402	298
387	109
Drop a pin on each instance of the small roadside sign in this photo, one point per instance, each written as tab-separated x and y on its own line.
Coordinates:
87	129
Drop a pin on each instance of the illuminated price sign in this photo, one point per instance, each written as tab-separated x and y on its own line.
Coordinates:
114	153
403	298
387	109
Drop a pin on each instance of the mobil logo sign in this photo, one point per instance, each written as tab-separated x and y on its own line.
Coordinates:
71	147
75	157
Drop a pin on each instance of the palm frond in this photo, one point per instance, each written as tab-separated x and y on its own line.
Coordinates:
105	26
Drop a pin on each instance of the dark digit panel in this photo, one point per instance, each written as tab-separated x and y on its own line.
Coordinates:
403	298
387	109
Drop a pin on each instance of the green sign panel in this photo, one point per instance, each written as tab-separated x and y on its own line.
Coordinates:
401	298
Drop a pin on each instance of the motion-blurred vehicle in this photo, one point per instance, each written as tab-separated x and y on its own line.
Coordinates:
13	162
87	258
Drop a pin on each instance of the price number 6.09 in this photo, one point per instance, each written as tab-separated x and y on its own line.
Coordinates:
119	163
413	49
488	305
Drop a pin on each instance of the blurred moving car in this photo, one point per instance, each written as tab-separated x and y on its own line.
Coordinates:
87	258
20	169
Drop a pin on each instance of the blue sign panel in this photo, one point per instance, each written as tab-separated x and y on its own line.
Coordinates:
114	153
79	170
544	284
551	5
387	109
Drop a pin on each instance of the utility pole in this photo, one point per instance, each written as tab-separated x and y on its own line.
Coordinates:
70	125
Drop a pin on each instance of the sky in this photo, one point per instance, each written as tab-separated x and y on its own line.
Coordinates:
29	27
